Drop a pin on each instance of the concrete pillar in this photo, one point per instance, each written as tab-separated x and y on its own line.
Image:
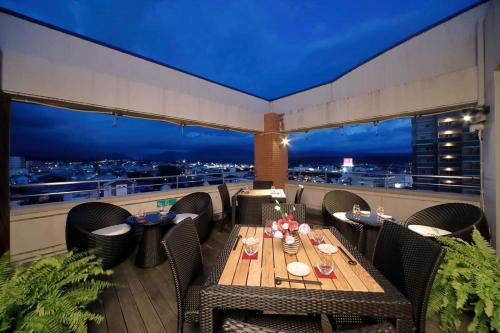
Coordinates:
271	156
4	173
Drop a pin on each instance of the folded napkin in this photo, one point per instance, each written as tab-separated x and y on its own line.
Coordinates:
313	242
247	257
320	275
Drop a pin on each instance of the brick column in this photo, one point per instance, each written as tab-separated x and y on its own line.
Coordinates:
271	156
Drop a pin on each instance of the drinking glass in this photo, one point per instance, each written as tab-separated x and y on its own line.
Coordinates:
356	210
141	214
325	264
268	228
250	246
317	233
380	212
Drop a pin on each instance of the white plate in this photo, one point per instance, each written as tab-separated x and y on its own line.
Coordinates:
298	269
428	231
327	248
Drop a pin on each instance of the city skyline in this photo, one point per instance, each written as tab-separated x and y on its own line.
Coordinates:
47	133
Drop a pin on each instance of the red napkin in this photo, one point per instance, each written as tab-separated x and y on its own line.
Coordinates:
313	242
323	276
246	256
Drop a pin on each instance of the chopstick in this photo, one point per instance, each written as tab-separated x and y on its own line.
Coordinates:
236	243
279	280
350	261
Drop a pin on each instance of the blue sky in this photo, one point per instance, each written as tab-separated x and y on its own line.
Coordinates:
268	48
50	133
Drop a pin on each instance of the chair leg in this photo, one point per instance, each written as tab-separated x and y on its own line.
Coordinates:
222	222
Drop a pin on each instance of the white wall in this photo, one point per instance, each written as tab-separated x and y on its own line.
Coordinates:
434	70
399	203
38	61
492	133
39	230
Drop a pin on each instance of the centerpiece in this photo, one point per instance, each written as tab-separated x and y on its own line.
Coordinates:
288	230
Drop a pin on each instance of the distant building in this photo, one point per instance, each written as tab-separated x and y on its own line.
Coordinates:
17	162
443	145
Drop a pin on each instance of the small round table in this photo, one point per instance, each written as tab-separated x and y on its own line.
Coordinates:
150	252
371	227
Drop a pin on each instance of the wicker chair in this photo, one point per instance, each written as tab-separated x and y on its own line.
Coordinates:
269	213
458	218
226	204
410	262
298	194
250	208
85	218
342	201
182	245
292	324
262	184
199	203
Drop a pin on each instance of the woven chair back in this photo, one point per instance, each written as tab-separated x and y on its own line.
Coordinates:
410	262
269	211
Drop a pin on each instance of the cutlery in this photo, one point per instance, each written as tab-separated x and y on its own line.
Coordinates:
350	261
279	280
236	243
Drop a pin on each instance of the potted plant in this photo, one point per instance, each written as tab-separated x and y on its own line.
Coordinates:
51	294
468	281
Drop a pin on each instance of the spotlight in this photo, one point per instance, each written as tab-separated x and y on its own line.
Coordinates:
285	141
467	117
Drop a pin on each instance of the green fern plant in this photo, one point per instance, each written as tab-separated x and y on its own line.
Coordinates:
467	281
52	294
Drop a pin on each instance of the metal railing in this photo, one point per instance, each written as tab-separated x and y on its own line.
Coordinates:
439	183
35	193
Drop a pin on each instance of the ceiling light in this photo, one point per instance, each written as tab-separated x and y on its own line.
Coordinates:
285	141
467	117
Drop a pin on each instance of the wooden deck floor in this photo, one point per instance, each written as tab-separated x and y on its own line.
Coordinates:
144	300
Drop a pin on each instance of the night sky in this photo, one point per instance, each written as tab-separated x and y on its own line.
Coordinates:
268	48
43	132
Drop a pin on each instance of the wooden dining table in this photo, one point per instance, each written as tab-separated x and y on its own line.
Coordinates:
357	289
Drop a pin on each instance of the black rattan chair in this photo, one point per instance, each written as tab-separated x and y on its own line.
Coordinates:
298	194
226	204
262	184
410	262
199	203
292	324
458	218
342	201
85	218
250	208
182	246
269	213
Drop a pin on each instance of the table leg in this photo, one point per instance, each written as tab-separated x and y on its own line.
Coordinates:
150	252
206	319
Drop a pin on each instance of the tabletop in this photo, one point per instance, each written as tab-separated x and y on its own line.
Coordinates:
358	290
271	262
275	193
151	219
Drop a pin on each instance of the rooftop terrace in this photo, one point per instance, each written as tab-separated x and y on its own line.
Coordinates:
393	61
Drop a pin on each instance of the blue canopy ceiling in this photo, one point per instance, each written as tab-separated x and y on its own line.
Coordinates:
265	48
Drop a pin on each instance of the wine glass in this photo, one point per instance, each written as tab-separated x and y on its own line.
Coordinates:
250	246
325	264
356	210
317	233
268	228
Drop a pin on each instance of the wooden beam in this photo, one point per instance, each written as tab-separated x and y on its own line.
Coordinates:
4	173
